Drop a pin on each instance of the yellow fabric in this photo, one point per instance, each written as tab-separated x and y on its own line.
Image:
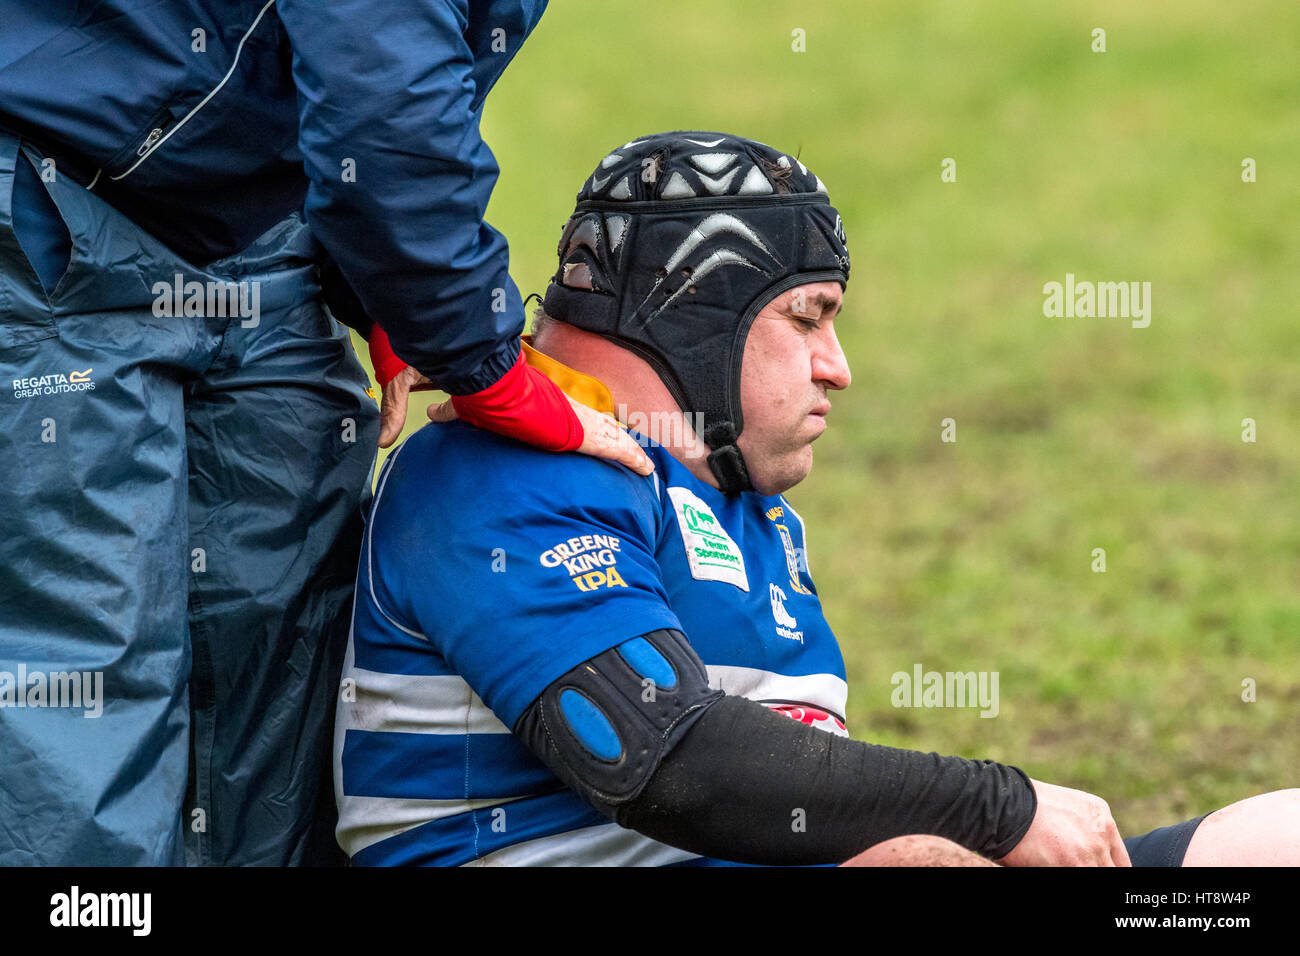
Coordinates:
579	386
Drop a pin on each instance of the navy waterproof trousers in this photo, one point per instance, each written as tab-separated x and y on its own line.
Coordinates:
185	455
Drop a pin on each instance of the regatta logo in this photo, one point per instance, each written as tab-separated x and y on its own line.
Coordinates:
785	622
56	383
79	690
1125	300
590	561
74	908
948	689
209	300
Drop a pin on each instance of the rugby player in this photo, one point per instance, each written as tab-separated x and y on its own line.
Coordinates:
555	660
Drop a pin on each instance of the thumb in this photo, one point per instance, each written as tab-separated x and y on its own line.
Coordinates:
392	406
443	412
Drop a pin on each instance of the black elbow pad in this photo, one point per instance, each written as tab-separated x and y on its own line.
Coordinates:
605	726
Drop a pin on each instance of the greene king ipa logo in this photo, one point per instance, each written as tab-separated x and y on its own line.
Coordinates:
590	560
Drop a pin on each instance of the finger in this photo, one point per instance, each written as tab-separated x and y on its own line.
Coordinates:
603	437
633	455
619	447
1118	851
443	412
392	412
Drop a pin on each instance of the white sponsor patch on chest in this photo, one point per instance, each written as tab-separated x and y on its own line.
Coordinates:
713	556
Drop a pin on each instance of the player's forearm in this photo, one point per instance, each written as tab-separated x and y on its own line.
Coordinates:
748	785
726	777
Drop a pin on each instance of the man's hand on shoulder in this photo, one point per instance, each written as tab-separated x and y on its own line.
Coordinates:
530	412
1070	828
602	436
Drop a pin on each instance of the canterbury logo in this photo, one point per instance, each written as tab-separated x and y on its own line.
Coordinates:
779	613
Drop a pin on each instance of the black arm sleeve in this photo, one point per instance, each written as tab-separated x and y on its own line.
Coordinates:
752	786
728	778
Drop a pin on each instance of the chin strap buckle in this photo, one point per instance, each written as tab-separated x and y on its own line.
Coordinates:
726	461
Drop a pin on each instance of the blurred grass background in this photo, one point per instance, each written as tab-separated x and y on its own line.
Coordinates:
1073	434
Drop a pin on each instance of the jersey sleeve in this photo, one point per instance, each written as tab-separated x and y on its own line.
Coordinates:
517	565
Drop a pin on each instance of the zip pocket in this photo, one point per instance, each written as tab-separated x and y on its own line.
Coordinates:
153	137
138	148
167	121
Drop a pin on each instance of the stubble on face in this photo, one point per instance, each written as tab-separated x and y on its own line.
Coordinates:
791	359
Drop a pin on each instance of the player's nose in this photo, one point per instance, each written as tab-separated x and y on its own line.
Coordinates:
830	366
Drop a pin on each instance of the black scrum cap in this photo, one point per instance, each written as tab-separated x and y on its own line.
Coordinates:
677	242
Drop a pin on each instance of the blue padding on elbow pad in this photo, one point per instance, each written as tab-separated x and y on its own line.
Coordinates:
590	725
644	658
602	731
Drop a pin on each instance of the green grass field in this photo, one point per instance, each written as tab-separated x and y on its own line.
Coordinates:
1072	434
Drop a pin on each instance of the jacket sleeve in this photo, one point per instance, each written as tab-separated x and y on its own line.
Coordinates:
400	178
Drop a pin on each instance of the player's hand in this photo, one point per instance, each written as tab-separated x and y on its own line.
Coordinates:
1070	828
603	437
392	406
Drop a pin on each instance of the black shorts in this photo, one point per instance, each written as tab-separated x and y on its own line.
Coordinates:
1163	847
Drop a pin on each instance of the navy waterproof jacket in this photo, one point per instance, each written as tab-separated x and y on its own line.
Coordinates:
208	121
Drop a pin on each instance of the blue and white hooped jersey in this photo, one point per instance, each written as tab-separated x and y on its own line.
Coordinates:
490	569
